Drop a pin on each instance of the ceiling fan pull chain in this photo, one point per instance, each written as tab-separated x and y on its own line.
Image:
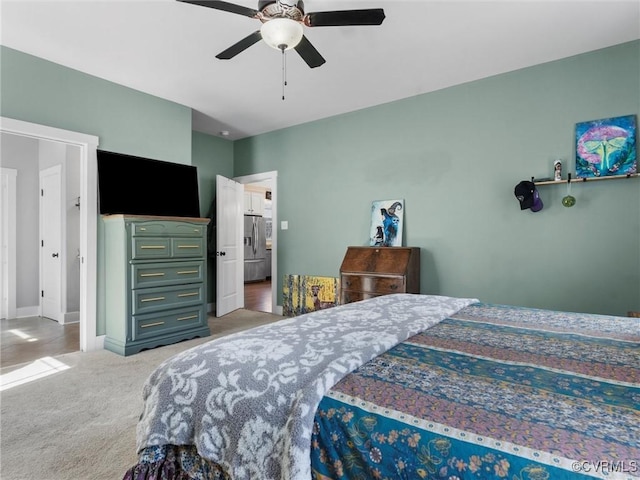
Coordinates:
284	72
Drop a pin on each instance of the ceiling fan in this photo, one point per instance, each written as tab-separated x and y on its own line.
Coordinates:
282	25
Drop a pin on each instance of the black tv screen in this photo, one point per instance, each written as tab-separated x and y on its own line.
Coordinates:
141	186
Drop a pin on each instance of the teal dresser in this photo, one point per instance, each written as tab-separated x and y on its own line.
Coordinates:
156	272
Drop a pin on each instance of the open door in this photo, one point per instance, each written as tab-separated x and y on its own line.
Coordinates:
229	253
52	255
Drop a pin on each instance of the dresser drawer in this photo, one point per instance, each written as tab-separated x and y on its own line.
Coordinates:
151	325
187	247
160	274
146	248
370	283
160	228
160	298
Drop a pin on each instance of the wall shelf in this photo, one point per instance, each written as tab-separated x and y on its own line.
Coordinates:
583	180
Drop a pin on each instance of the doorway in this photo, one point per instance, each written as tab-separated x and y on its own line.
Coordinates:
39	251
255	292
87	255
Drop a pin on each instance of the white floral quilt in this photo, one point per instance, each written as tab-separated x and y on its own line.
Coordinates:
247	400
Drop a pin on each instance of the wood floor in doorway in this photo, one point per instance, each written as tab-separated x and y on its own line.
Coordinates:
28	338
257	296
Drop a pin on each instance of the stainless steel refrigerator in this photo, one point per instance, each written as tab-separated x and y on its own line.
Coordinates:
255	248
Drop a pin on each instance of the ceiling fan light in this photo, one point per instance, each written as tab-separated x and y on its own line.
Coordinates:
281	33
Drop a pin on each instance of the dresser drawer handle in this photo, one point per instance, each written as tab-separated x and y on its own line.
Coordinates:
151	247
187	318
143	229
159	274
188	294
188	246
393	287
151	325
187	272
152	299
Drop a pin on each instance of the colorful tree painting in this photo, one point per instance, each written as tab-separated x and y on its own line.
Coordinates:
606	147
308	293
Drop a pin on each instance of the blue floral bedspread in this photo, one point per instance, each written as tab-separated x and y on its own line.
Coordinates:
493	392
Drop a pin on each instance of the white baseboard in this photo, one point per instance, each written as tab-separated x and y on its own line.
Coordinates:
28	311
70	317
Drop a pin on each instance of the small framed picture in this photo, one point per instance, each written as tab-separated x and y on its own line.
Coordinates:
386	223
557	170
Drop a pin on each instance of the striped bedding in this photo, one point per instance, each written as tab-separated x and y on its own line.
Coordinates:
493	392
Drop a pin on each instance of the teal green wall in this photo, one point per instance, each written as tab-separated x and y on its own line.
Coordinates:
125	120
455	156
213	156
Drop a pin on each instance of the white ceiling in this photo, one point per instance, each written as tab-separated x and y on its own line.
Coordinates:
167	49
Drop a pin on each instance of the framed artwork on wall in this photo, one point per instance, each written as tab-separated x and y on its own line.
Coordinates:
606	147
386	223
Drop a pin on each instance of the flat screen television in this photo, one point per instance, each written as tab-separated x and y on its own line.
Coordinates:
142	186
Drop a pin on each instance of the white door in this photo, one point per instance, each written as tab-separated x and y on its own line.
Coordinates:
8	195
229	253
51	251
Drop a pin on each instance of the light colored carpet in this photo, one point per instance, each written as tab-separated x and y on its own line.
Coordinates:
79	423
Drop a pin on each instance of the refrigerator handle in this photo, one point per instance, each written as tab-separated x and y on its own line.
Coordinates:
254	235
257	235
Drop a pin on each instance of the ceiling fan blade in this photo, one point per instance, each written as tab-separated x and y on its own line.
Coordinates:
224	6
241	46
309	53
339	18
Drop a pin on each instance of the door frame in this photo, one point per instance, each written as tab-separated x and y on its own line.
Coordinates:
88	145
272	177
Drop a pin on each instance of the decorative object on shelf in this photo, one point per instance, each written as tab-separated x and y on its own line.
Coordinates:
557	170
386	223
528	196
307	293
606	147
568	200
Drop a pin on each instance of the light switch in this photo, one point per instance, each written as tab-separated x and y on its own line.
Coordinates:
284	225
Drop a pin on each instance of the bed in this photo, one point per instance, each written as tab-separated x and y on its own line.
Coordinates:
401	387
